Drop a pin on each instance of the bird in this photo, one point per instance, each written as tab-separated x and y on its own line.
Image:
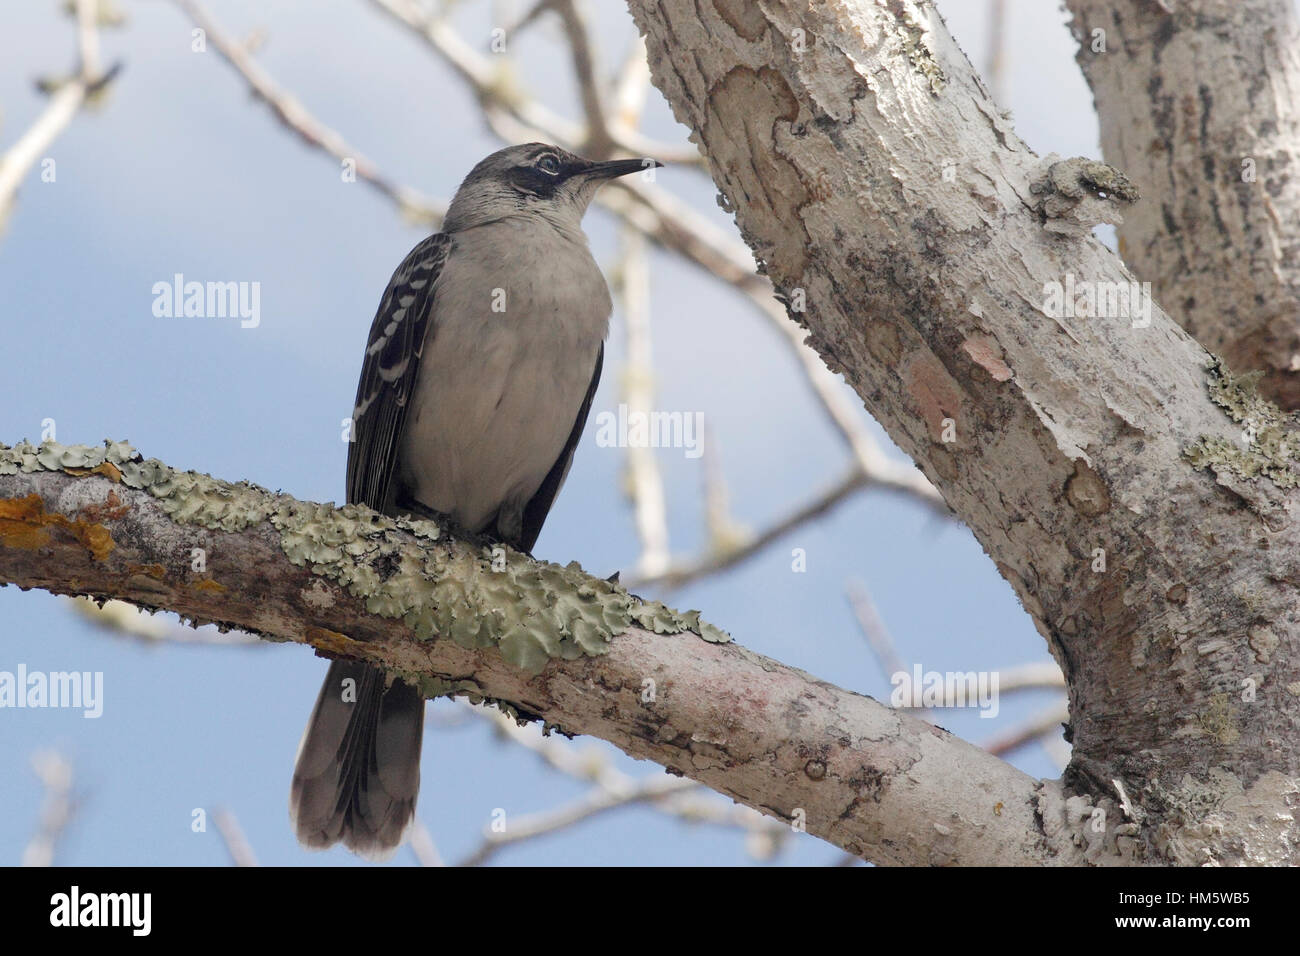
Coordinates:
477	379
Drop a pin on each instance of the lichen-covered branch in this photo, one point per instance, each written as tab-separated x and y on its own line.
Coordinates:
1199	103
1136	495
459	616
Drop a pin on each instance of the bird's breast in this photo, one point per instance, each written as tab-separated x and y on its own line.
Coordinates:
509	354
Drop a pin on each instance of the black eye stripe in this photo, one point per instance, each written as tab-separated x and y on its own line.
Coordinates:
529	179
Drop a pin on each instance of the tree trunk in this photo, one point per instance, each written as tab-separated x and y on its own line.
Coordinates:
1135	494
1199	104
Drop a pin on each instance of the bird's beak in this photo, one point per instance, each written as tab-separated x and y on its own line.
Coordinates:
619	167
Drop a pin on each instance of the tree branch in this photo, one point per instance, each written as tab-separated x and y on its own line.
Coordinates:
543	641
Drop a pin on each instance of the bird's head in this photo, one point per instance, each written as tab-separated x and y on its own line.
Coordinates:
533	179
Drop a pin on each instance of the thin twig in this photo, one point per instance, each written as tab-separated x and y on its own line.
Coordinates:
1046	723
57	809
763	835
995	53
596	801
690	571
290	112
494	90
645	484
632	85
422	845
64	104
599	140
1038	676
232	836
873	629
724	533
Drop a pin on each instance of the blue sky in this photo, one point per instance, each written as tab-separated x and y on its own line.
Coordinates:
180	171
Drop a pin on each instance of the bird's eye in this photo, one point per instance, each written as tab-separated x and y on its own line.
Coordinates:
549	163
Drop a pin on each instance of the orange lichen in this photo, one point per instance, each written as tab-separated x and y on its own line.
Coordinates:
327	640
111	510
24	523
105	468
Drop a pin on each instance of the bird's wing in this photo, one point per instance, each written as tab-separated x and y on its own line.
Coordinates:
388	372
540	504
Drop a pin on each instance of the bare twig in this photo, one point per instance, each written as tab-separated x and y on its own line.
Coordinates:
873	629
232	835
725	534
995	53
597	801
496	93
1046	723
87	12
422	845
645	484
1039	676
599	140
289	111
612	788
632	86
687	572
57	809
66	100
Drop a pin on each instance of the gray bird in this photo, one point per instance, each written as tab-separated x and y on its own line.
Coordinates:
478	376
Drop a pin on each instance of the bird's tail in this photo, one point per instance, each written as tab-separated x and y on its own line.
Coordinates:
358	768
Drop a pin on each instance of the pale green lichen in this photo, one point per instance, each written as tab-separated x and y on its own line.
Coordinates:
913	38
530	611
1219	720
432	687
1270	446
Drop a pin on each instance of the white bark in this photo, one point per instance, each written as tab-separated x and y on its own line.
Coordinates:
829	127
1199	104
